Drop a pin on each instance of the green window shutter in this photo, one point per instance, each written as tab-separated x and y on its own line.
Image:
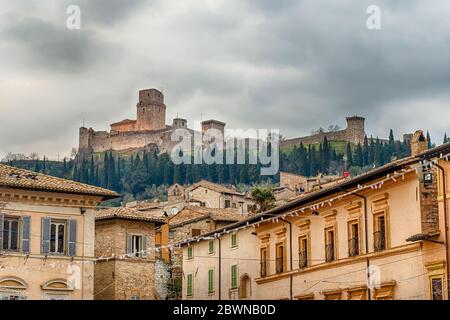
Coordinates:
189	285
2	221
211	246
45	235
25	239
210	281
234	239
190	253
72	238
234	276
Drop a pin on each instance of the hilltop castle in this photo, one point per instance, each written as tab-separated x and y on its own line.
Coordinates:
354	133
149	130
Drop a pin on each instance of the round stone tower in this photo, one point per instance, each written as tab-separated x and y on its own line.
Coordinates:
355	129
151	110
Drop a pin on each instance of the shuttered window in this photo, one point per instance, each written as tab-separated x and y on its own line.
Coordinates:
59	237
234	277
190	253
234	239
211	281
189	285
211	246
136	246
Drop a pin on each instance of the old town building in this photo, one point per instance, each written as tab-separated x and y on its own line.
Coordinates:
125	255
213	195
47	236
380	235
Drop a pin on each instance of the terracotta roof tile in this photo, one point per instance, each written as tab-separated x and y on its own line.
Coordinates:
128	214
215	187
11	177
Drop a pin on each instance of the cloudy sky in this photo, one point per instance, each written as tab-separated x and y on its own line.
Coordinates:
294	65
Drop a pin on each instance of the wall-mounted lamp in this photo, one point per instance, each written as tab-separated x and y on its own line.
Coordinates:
82	210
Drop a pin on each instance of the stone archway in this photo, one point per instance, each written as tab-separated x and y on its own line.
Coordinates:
245	290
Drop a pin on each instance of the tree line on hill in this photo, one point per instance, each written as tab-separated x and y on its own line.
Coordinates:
142	174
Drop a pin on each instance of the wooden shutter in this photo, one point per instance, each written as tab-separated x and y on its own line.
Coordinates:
72	238
129	243
144	247
25	241
210	281
45	236
2	219
234	276
189	285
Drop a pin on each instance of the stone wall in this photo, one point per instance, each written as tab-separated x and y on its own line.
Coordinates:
162	278
354	133
429	205
122	279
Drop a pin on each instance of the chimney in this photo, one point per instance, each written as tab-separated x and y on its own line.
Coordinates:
418	143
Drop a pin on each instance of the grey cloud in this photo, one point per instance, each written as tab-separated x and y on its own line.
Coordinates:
293	65
54	48
107	12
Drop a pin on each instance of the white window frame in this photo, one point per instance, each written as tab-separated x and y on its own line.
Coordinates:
10	219
58	223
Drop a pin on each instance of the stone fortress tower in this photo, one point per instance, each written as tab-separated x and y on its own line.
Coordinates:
151	111
356	129
354	133
149	130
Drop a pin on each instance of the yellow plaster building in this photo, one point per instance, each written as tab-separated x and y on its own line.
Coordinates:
46	236
380	235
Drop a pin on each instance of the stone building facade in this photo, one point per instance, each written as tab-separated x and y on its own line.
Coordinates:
124	248
148	131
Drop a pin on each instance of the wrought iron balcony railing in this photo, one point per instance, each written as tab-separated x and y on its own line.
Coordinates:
280	264
263	269
303	259
353	247
379	240
329	252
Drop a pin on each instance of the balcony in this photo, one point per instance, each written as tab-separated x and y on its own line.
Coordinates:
280	264
329	252
379	240
263	269
302	259
353	247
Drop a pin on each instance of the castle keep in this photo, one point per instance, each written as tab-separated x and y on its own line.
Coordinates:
149	130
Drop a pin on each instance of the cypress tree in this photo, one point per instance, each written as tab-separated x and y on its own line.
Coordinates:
349	155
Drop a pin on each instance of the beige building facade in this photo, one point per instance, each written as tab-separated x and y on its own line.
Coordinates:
381	235
212	195
47	236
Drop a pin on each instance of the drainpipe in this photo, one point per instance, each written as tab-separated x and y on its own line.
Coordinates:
444	194
366	241
290	256
220	268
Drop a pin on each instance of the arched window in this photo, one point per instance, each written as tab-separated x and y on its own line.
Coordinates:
245	290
